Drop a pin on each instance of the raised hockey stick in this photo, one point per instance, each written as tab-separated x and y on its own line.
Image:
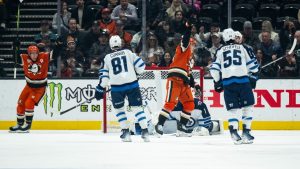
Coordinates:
86	101
290	52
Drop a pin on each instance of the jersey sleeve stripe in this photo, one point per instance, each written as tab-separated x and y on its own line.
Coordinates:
212	68
135	62
103	70
103	76
254	67
251	61
142	64
217	64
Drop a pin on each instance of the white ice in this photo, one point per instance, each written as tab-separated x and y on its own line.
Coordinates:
92	149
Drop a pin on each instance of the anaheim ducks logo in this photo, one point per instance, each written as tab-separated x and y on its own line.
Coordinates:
34	68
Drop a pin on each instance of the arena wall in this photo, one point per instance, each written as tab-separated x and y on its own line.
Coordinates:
277	104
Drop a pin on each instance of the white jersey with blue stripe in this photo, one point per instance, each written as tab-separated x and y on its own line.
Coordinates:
121	69
234	63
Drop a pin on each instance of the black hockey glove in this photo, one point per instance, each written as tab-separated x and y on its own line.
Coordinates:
218	86
99	92
192	81
253	79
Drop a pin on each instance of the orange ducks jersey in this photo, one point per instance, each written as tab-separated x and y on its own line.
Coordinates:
180	66
36	72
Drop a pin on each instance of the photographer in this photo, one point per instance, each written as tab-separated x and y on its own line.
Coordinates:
286	34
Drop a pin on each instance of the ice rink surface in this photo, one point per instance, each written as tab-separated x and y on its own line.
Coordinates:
92	149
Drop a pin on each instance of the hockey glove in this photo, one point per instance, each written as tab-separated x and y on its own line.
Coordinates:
99	92
218	86
253	79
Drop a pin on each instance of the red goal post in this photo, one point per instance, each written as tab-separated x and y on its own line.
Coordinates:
152	85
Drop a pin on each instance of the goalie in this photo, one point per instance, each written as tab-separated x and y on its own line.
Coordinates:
200	123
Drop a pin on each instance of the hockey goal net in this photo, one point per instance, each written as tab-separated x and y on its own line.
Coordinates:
153	89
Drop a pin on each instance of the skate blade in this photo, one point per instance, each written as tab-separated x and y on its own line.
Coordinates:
183	134
247	141
127	139
239	142
18	131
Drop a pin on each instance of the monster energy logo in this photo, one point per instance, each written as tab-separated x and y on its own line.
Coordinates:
52	86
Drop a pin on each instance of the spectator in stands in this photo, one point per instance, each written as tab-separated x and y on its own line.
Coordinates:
206	37
216	43
155	12
266	26
100	48
127	37
164	33
178	23
153	48
66	71
259	56
136	42
45	39
248	36
74	57
194	4
106	22
82	15
112	4
297	49
98	2
171	45
166	60
286	34
64	18
196	36
177	5
3	15
90	38
271	50
288	66
125	12
74	32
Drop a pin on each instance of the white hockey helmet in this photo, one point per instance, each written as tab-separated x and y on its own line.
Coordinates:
115	42
228	34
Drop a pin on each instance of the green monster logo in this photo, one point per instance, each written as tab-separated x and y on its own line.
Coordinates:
52	86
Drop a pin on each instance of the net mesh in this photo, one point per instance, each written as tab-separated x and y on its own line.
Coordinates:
152	86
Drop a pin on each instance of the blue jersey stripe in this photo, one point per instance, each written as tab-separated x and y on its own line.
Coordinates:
212	68
254	67
251	61
136	61
142	64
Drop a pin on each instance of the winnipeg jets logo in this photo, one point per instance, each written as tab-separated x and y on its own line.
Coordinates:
34	68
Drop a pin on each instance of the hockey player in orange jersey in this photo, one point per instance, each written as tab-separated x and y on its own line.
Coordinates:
35	66
179	83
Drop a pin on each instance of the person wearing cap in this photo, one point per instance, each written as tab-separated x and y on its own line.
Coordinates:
127	37
216	43
248	36
90	37
125	12
206	37
45	39
100	48
106	22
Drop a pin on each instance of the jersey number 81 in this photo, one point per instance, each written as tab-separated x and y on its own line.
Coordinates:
118	63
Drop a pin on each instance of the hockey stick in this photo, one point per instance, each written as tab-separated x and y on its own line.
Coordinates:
290	52
86	101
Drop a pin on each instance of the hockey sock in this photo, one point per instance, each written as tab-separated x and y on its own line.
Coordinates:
20	119
205	122
140	116
247	116
163	116
29	117
234	119
122	118
184	117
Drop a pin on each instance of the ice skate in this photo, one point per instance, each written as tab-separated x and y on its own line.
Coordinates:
159	130
145	135
182	131
25	128
125	136
246	136
235	136
15	129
